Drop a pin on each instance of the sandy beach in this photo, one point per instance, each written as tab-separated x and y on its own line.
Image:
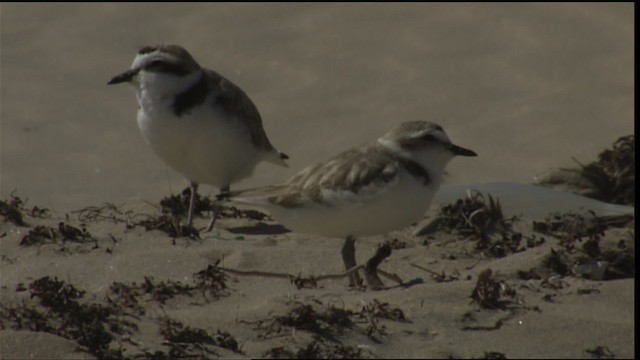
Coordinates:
92	266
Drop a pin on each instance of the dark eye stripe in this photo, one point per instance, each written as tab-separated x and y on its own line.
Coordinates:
166	67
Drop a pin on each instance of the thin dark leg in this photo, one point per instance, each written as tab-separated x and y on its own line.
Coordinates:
216	209
192	202
349	259
371	269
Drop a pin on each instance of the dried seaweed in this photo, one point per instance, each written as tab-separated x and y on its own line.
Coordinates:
611	178
600	352
60	308
168	224
481	220
40	235
186	341
11	210
14	210
318	348
327	321
210	282
488	293
64	313
580	243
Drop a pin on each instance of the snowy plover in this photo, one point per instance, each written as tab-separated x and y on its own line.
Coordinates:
373	189
200	123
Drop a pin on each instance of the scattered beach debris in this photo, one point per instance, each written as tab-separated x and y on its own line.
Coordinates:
493	355
59	235
480	219
168	224
178	205
328	321
582	250
600	352
174	210
610	179
210	282
11	210
304	317
488	292
439	276
14	210
190	342
106	212
62	311
317	348
312	281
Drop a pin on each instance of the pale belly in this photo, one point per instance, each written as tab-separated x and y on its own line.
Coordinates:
202	146
398	207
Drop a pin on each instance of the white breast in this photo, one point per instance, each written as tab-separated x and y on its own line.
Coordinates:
203	144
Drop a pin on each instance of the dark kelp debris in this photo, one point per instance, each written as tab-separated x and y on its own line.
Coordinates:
168	224
600	352
106	212
611	178
480	219
489	293
61	310
493	355
190	342
305	317
317	348
328	321
210	282
13	210
581	243
178	205
102	327
61	234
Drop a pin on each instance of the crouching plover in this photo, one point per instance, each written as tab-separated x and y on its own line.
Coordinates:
201	124
373	189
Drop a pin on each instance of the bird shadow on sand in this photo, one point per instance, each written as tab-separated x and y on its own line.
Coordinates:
260	229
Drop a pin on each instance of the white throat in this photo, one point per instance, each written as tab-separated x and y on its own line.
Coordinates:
157	87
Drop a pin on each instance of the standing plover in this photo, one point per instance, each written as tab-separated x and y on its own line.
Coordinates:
373	189
200	123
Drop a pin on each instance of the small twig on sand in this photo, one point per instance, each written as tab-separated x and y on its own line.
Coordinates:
390	276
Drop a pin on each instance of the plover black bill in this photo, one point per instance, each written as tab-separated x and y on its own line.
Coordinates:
379	187
200	123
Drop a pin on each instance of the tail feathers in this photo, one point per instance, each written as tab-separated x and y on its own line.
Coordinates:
277	157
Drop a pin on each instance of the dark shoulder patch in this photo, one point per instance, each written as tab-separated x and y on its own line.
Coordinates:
192	97
235	102
417	171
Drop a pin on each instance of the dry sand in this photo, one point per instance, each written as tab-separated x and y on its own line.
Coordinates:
527	86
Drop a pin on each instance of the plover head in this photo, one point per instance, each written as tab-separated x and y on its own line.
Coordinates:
424	142
160	63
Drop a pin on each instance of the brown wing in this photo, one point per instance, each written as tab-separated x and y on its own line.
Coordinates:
235	102
351	171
